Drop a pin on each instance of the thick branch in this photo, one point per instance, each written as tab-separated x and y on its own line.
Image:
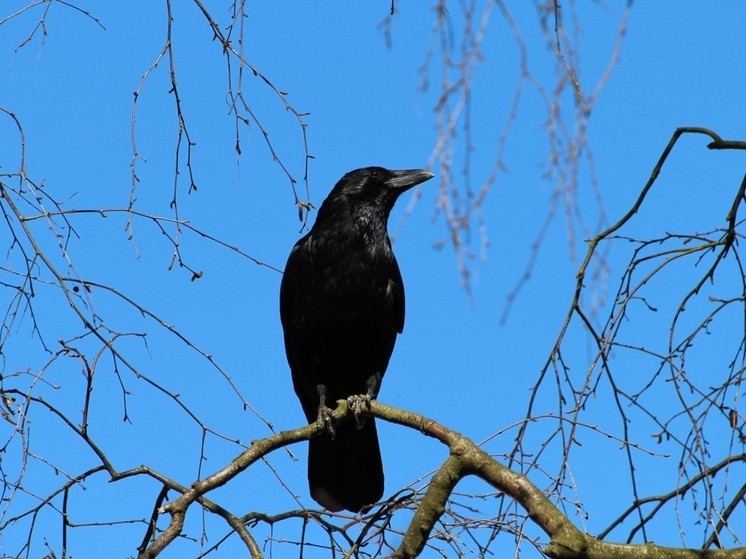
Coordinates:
567	542
466	458
595	549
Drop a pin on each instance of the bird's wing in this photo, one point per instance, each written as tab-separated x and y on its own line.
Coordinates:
395	290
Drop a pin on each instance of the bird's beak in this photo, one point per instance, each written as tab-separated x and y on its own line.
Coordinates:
404	180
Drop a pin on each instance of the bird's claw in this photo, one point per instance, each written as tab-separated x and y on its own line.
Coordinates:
326	420
356	403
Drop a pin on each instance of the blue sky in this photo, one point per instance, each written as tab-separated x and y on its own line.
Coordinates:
455	362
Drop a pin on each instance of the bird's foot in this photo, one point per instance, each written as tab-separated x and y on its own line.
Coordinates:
357	401
356	404
326	420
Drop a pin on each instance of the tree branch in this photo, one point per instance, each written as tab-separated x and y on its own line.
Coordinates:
466	458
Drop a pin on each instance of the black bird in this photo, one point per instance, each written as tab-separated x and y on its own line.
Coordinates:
341	306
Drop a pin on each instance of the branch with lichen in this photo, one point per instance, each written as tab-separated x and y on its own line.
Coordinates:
466	458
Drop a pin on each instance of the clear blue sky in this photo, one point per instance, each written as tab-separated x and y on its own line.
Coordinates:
72	91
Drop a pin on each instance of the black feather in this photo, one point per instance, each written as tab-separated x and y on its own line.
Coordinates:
342	306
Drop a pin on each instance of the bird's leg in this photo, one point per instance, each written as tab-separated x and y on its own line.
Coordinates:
373	385
356	402
324	419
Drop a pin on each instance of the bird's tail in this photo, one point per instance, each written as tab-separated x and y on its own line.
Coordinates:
346	473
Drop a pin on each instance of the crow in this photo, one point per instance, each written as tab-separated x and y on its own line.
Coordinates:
341	308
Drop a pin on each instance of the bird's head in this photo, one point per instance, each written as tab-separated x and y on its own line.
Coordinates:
377	186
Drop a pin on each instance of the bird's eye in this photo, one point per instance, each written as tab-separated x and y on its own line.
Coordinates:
375	173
